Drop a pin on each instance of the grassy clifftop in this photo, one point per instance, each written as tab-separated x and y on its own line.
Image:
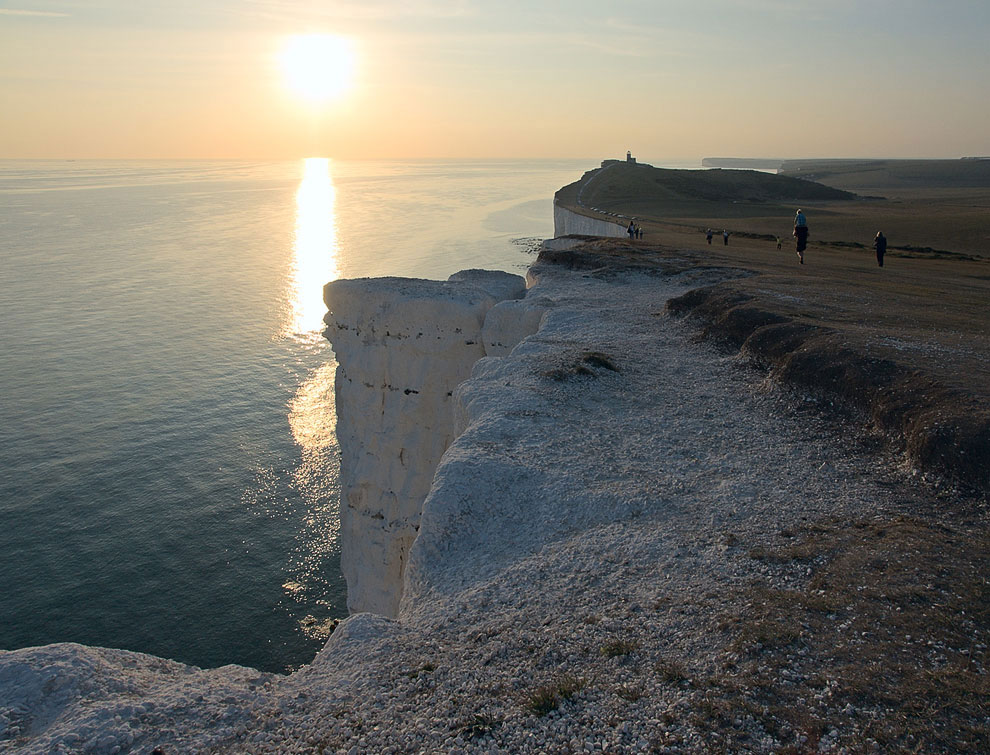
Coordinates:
668	193
933	208
892	175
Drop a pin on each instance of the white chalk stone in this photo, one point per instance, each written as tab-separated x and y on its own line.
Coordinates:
508	323
402	346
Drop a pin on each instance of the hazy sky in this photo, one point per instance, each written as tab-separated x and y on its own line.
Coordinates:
512	78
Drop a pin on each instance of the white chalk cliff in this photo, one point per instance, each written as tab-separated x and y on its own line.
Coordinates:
402	347
527	482
569	223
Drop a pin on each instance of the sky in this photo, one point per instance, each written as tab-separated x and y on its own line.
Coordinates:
509	78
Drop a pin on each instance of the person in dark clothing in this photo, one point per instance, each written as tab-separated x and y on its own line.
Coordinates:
708	236
725	237
801	234
631	230
880	244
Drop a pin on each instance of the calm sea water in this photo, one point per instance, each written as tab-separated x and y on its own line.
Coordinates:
168	470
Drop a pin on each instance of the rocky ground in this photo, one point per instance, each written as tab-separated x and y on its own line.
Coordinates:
639	544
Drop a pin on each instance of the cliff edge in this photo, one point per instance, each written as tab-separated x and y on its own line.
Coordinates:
633	542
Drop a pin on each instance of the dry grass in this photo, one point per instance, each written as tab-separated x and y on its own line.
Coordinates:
548	697
886	642
584	365
619	647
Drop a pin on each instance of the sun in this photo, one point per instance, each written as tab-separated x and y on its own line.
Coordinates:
319	67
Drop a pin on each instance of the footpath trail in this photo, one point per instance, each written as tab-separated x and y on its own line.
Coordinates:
638	544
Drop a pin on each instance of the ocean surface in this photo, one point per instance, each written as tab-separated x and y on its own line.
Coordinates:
168	468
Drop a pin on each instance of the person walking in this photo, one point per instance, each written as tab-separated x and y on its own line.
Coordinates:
708	235
801	234
725	237
880	244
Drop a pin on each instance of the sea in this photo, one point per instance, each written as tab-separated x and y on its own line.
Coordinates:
168	465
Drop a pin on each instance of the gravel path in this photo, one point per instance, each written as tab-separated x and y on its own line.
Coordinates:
584	575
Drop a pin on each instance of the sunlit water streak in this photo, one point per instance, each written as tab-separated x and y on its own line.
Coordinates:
168	468
312	416
314	249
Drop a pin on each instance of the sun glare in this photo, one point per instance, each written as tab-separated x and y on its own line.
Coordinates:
318	66
315	258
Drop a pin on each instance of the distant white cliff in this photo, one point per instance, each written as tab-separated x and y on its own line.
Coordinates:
402	347
569	223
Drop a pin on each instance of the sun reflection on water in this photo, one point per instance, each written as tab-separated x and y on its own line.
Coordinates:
315	570
315	249
314	573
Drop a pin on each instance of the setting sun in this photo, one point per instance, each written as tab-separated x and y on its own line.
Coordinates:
318	66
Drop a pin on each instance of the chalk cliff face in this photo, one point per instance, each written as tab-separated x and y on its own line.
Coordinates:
566	222
402	347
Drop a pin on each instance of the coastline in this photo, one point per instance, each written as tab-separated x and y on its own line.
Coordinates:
181	461
634	543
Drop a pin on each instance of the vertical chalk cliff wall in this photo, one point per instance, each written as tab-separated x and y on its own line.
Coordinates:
566	222
402	347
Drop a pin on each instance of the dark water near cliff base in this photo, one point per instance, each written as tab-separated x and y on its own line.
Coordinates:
167	462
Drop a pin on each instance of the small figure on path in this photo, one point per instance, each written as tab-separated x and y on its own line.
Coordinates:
725	237
880	244
631	230
801	234
708	235
778	243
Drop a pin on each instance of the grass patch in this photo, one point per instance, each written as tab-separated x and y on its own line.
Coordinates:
618	648
560	374
479	725
548	697
672	672
582	366
597	359
630	692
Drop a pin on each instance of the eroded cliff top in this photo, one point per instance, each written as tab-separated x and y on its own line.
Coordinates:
636	543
